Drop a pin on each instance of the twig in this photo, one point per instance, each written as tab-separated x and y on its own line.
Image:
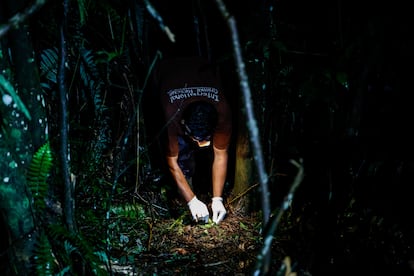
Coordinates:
19	18
243	193
250	188
216	263
150	224
149	203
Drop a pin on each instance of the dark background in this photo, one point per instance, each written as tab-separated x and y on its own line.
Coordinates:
331	85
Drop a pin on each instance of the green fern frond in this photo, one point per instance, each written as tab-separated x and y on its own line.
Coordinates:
37	174
132	211
89	70
91	78
75	243
49	64
103	257
44	260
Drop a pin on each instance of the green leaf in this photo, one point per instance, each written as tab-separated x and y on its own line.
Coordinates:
83	13
7	88
342	78
44	260
37	174
49	64
243	226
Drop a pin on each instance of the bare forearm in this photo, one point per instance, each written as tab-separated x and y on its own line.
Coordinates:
180	180
219	171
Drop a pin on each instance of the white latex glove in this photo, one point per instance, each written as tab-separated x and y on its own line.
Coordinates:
198	210
218	209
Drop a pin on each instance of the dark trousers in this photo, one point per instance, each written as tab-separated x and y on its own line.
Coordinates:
186	159
196	164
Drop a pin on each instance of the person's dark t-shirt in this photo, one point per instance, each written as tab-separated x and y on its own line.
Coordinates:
186	80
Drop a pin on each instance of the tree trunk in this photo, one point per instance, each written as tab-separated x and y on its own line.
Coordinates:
20	136
27	76
240	198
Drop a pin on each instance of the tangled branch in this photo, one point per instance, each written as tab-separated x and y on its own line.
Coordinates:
16	20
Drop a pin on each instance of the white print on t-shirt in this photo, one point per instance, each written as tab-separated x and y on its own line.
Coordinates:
188	92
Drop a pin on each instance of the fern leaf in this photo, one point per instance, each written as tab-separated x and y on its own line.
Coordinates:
90	76
49	64
132	211
75	243
37	174
44	261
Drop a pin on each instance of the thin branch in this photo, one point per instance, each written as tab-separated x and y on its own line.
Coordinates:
153	12
251	121
215	264
16	20
243	193
262	269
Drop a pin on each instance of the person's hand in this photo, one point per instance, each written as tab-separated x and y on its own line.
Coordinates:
218	209
198	210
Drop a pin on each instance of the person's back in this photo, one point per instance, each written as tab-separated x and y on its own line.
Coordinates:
184	81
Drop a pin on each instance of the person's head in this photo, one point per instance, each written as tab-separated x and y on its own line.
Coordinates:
199	121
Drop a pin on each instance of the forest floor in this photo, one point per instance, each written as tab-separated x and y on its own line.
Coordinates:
342	236
209	249
181	247
178	246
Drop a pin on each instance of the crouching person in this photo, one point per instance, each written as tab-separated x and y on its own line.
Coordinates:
197	116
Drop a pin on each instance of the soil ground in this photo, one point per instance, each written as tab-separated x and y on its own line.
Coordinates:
180	247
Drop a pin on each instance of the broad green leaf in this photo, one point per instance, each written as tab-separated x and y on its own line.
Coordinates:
7	88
